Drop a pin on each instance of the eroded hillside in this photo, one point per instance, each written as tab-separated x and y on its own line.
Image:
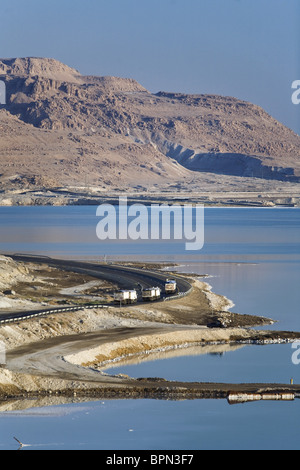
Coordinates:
61	129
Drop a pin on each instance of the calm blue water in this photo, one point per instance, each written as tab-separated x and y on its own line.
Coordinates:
155	425
71	231
253	257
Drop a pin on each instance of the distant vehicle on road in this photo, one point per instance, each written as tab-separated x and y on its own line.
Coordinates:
170	286
151	293
125	297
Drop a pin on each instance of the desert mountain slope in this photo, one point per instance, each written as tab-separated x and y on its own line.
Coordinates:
60	128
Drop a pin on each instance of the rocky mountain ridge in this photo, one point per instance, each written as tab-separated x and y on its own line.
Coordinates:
60	128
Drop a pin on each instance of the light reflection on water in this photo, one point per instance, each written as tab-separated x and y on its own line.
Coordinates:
245	364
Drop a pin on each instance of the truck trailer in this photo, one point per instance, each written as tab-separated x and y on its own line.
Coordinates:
151	293
125	297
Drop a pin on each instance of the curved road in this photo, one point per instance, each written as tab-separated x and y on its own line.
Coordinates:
124	277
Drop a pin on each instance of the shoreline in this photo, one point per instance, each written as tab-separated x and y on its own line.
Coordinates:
66	355
102	358
58	197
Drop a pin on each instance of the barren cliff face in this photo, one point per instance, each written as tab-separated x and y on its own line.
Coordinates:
61	128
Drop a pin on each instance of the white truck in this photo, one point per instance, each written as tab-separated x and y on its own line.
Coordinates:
125	297
151	293
170	286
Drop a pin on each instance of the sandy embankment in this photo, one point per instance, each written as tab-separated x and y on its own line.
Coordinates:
182	338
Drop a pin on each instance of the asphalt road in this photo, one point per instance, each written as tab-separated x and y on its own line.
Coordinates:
124	277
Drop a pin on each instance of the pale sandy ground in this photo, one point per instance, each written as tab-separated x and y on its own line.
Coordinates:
33	286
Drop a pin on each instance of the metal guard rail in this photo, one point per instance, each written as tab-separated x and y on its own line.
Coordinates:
51	311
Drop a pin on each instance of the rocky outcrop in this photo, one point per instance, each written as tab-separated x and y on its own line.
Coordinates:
39	67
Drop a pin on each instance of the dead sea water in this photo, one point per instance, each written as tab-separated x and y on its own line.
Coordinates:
253	257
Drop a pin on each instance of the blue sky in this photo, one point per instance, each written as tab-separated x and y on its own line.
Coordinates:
243	48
